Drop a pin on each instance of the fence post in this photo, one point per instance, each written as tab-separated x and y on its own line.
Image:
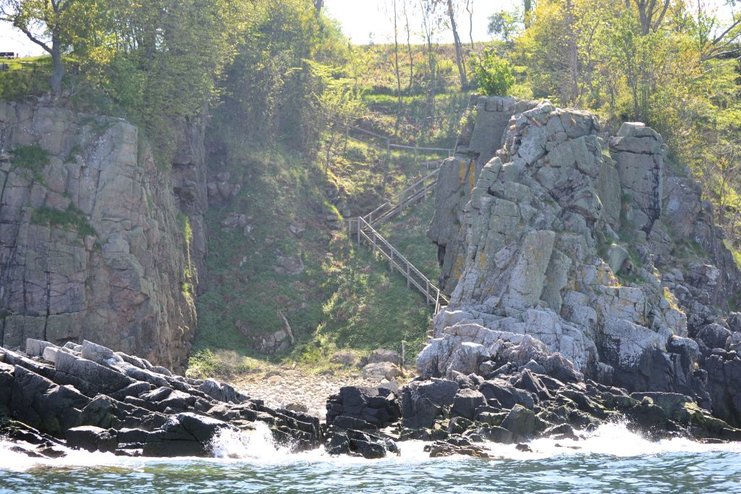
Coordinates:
358	230
407	266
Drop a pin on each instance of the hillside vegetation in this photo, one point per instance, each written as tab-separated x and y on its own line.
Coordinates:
283	94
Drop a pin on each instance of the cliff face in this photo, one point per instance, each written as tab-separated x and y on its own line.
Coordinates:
578	248
92	244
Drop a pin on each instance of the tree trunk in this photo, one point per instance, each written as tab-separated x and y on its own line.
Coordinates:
469	9
573	54
409	46
458	48
397	71
57	66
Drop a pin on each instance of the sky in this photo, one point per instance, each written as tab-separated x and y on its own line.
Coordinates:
364	21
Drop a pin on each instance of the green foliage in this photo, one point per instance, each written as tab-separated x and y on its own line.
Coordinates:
71	218
33	159
494	75
24	78
670	70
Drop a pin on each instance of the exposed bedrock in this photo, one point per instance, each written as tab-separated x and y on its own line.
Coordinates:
586	254
93	241
90	397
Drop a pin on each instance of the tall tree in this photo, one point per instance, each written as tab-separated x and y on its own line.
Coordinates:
408	31
458	46
469	9
51	24
430	21
397	70
650	13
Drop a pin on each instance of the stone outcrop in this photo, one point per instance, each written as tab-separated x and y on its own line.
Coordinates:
92	241
581	256
486	121
90	397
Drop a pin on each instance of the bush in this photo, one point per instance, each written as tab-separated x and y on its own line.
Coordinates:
494	75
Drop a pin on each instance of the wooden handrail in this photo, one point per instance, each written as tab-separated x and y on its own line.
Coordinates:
396	259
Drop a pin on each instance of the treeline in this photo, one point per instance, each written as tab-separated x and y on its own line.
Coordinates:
673	64
669	63
163	60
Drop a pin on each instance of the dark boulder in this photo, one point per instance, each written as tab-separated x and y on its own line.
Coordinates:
378	407
522	422
423	401
89	377
712	336
530	382
502	393
466	402
43	404
360	443
92	438
724	386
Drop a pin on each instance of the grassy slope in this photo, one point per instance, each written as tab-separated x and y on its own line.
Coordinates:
344	299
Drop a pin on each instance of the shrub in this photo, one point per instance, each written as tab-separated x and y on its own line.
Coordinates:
494	75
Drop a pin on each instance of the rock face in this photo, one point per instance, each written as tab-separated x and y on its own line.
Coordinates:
91	238
87	396
580	259
487	120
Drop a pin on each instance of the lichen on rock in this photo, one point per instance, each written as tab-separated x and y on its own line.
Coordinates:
571	248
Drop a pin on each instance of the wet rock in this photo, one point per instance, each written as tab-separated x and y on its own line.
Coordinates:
521	422
440	449
358	443
422	402
92	438
377	407
466	402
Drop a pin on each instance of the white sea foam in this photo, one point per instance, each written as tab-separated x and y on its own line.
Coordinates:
609	439
258	447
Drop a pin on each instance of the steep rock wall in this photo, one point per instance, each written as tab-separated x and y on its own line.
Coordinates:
92	245
576	249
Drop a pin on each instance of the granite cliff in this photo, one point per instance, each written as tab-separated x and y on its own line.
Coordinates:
97	241
563	245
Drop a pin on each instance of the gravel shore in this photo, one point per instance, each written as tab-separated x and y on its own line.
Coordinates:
284	386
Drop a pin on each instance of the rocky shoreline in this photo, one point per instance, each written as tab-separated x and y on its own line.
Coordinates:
89	397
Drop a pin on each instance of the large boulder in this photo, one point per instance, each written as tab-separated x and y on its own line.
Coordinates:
422	402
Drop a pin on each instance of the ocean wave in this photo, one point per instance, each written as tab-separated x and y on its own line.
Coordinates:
258	447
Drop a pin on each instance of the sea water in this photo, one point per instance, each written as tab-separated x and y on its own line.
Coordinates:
612	459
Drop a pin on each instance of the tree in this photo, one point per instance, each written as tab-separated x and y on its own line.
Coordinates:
458	45
494	75
469	9
408	31
505	24
430	25
51	24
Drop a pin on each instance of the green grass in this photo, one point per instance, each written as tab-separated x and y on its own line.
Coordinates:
32	159
408	233
370	308
25	77
71	219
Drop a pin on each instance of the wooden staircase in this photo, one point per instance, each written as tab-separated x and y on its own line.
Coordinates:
363	230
